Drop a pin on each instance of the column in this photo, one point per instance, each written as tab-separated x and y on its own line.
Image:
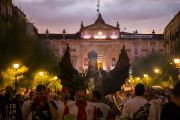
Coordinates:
109	57
90	47
118	51
82	58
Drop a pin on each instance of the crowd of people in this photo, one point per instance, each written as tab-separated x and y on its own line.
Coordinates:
138	104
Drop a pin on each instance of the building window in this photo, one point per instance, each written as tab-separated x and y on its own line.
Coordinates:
74	63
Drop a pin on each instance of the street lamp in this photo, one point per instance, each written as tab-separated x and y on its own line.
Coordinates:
55	79
16	66
145	75
41	73
156	70
176	61
138	78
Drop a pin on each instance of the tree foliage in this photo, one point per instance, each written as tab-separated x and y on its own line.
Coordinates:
163	62
18	47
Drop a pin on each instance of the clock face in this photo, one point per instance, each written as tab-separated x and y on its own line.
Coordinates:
100	33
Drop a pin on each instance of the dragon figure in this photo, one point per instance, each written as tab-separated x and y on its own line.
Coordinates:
106	82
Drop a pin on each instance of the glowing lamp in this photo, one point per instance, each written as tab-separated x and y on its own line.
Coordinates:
16	66
156	70
55	77
100	33
176	61
138	78
86	37
113	37
145	75
40	73
129	80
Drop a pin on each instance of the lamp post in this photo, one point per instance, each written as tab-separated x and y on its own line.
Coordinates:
176	61
55	79
156	70
16	66
41	73
145	75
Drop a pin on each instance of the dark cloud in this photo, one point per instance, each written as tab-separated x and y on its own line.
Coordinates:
56	15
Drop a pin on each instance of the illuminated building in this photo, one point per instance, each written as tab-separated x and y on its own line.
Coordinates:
104	39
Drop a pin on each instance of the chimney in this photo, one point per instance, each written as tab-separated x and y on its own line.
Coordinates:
47	32
64	33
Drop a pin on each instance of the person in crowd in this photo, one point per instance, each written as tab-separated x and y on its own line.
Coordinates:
117	102
2	98
41	106
19	98
136	108
161	97
155	110
171	111
55	97
108	97
81	108
10	108
26	97
103	110
126	97
26	103
63	102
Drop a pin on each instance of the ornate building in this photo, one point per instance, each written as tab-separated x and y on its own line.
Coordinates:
106	41
171	35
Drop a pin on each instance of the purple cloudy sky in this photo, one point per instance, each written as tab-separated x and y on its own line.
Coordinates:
56	15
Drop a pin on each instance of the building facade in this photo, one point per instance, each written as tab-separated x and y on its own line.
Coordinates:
104	39
172	35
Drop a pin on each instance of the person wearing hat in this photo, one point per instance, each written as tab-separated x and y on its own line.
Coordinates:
10	108
63	102
81	108
155	111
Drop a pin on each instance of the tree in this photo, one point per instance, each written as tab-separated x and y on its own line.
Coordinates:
17	47
163	62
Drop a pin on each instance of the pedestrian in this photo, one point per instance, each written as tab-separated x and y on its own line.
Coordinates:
81	108
121	95
103	110
10	108
26	104
155	111
41	106
161	97
63	102
171	111
126	97
19	98
117	102
136	108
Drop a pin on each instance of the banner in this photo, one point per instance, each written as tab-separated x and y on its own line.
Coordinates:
153	46
135	50
62	47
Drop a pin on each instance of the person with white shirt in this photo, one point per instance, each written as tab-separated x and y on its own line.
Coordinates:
155	111
25	105
138	107
103	110
62	102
